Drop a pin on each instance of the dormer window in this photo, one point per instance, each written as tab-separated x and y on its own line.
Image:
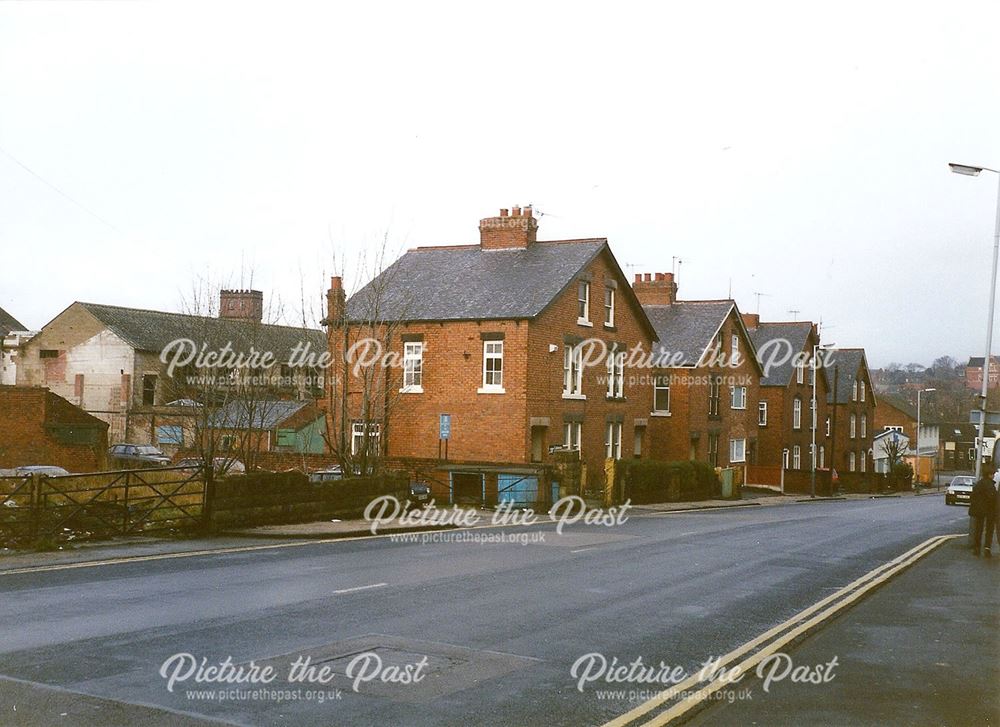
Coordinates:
609	306
583	303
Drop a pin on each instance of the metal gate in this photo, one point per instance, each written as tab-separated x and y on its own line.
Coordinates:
522	490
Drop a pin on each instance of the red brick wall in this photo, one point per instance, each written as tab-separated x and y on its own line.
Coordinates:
25	439
685	432
843	443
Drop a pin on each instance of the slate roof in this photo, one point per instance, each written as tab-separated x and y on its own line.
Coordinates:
903	405
765	337
267	414
468	283
9	323
149	330
976	362
847	362
686	327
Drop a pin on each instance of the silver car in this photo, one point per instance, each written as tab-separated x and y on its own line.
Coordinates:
959	490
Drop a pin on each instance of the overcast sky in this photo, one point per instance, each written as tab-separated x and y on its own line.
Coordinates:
798	150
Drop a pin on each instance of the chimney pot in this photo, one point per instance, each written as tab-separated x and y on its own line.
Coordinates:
659	276
335	282
516	212
647	277
638	277
503	211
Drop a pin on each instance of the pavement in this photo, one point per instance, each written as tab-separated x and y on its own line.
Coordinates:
922	650
501	616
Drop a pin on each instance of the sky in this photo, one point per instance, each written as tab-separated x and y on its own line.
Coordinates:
796	150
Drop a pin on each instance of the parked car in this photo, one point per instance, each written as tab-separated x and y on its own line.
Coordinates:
420	493
39	469
135	456
222	465
959	490
328	475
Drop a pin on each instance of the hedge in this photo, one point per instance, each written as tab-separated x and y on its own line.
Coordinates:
647	481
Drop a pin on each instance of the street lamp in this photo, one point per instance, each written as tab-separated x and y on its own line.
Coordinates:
916	447
971	171
815	411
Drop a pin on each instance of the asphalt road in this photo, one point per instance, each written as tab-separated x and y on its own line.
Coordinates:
498	626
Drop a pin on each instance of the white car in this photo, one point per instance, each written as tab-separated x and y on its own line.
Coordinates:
959	490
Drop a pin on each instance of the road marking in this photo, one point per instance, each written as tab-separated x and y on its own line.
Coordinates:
580	550
360	588
850	592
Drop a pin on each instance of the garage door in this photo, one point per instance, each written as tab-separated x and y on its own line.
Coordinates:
522	490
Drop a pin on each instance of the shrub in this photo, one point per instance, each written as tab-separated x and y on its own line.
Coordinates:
646	481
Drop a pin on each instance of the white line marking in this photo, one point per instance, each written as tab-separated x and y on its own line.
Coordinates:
360	588
580	550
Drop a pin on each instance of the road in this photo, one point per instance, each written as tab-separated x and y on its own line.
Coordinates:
499	624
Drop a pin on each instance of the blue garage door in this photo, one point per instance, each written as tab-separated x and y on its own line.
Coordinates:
519	489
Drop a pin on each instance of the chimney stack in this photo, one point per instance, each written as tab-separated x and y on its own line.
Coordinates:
512	231
751	320
336	302
661	291
242	305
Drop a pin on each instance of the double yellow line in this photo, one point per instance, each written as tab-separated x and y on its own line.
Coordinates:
782	634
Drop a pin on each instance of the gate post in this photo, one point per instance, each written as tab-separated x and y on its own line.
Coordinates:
125	517
35	503
208	500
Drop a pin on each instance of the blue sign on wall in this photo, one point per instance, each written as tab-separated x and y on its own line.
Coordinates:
445	426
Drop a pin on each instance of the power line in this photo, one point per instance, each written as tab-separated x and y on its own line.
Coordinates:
49	184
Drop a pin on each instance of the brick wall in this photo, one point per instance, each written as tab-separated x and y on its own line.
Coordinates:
39	427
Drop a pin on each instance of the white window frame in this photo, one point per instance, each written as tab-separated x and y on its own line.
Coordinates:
616	373
734	348
800	373
796	457
864	426
492	351
863	388
854	426
659	385
854	391
852	464
613	441
737	402
413	367
609	307
822	456
572	432
573	372
734	457
358	434
796	413
864	462
762	414
828	429
583	303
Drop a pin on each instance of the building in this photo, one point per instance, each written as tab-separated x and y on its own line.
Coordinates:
889	445
40	428
974	373
851	420
510	357
278	425
13	334
707	381
785	351
109	360
957	451
895	414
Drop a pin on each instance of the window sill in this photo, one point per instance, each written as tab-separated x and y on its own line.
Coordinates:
412	390
610	327
491	390
615	398
575	397
584	322
659	413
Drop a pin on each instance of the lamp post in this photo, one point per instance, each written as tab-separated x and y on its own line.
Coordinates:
916	447
815	411
971	171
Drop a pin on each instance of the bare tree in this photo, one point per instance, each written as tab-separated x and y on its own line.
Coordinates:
366	372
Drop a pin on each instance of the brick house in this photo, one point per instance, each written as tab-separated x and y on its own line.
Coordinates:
507	345
785	350
974	373
39	427
852	410
106	359
707	387
12	335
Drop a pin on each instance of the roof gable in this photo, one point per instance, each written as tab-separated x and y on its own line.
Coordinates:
685	329
847	363
777	346
9	323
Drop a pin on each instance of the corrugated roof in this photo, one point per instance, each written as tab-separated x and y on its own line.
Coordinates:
773	355
9	323
686	327
149	330
468	283
265	414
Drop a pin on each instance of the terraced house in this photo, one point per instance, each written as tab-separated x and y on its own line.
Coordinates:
852	412
706	389
785	410
506	355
